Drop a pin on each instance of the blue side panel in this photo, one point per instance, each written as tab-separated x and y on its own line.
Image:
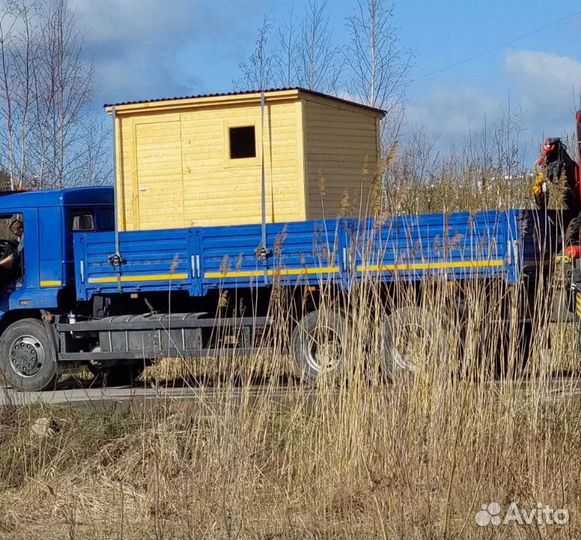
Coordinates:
202	259
34	298
229	257
297	253
455	246
52	256
310	252
43	265
152	261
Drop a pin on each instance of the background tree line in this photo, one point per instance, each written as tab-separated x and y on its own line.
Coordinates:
300	50
49	136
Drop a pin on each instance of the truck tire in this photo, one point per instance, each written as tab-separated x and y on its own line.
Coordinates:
317	345
409	329
27	356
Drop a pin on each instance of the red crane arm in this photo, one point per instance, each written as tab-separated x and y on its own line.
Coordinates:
578	126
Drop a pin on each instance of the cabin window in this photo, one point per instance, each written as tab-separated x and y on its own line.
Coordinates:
242	142
9	227
11	247
81	220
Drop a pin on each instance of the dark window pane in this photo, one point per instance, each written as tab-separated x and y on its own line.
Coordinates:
82	221
105	219
242	142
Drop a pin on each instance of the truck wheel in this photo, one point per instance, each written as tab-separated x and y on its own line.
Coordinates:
410	334
27	356
317	345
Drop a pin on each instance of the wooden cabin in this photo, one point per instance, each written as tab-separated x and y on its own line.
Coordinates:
199	161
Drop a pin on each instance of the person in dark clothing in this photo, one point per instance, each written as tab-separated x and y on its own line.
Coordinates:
555	165
13	262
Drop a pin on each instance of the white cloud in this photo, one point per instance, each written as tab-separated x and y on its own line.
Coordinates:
544	79
451	111
547	86
543	86
141	48
150	22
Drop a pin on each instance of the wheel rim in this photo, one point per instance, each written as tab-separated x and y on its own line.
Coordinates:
406	340
323	349
27	356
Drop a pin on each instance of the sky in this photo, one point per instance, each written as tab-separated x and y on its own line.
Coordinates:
471	59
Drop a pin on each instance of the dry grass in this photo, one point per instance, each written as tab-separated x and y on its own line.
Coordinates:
352	458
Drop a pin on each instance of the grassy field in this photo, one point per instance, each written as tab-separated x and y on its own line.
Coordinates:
352	458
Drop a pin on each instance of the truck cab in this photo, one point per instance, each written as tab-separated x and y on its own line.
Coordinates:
50	219
42	278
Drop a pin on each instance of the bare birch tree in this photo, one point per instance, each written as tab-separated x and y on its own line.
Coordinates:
379	65
17	53
6	31
257	71
507	145
319	62
286	58
302	53
67	83
50	138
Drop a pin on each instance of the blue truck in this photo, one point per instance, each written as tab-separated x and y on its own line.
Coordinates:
84	294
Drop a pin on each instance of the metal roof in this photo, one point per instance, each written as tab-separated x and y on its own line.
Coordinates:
245	92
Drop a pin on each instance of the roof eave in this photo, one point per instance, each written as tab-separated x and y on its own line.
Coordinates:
322	95
231	98
182	103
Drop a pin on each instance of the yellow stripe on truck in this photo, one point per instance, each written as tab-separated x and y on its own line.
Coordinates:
430	266
302	271
49	283
127	279
242	273
278	272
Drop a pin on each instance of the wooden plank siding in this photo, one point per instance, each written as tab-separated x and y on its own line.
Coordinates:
219	190
174	168
159	173
341	143
177	172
